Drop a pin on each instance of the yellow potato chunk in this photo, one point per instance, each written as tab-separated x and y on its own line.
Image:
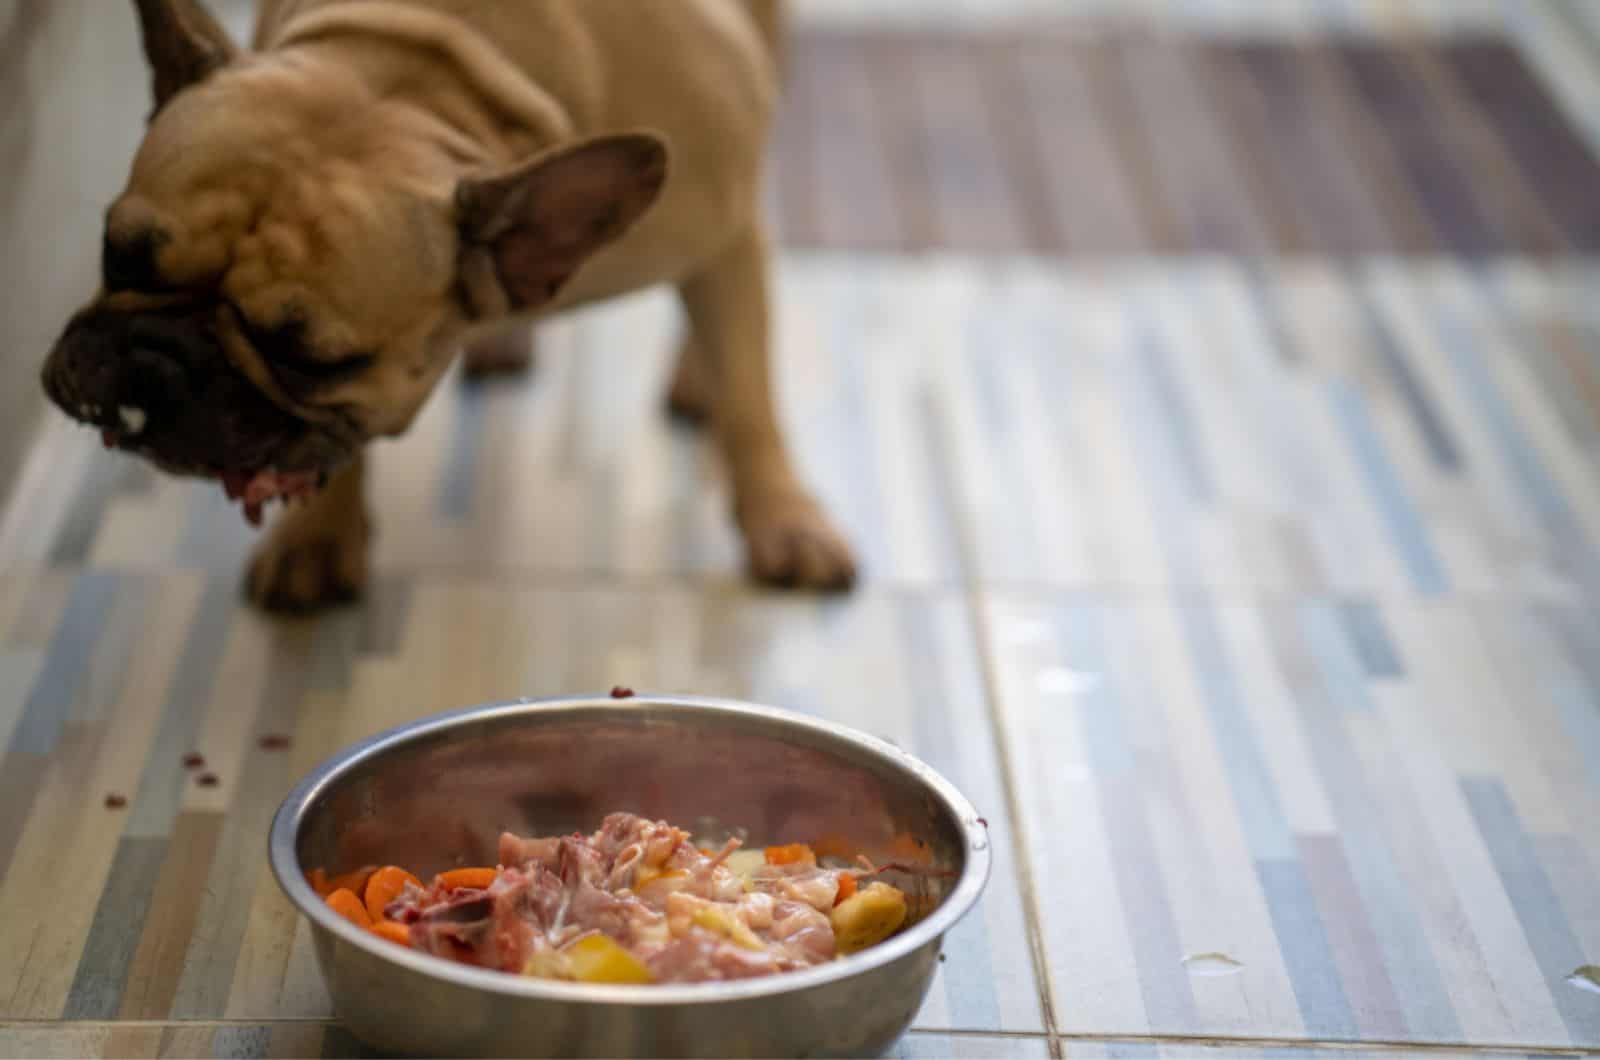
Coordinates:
548	964
868	917
600	959
727	924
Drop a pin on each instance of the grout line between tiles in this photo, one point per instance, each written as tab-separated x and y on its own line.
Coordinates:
735	584
1332	1046
1204	1041
972	593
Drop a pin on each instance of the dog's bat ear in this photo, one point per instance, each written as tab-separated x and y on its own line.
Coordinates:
525	232
183	43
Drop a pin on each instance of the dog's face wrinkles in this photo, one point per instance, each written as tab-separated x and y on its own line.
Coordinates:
314	227
295	257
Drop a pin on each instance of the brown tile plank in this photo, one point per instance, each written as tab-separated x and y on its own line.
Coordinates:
971	189
1559	166
1503	188
1089	191
1423	144
1331	195
1016	127
1186	148
1245	124
1407	224
1110	94
855	197
899	116
791	160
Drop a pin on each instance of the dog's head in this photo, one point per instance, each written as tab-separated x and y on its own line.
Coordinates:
296	256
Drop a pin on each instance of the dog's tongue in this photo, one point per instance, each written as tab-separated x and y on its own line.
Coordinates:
256	489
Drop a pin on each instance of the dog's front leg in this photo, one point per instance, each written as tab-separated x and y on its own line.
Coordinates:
316	552
789	540
510	351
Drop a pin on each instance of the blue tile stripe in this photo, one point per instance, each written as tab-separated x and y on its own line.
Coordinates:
59	682
1538	909
1407	530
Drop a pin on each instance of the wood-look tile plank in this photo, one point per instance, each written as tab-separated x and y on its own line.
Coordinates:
1502	187
1088	188
856	201
1409	229
1186	150
793	158
1245	123
1016	130
157	966
1539	138
1332	198
900	119
1111	94
971	189
1425	150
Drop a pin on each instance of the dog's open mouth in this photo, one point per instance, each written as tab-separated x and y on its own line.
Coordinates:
252	489
255	489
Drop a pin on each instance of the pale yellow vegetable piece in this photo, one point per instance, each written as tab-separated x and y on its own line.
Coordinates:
746	862
727	924
868	917
549	964
600	959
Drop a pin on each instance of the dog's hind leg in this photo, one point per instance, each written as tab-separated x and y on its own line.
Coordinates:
315	554
690	396
506	352
789	539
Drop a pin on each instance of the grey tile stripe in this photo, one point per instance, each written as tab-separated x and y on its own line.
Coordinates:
102	971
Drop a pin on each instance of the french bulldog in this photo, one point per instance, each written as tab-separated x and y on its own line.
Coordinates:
314	228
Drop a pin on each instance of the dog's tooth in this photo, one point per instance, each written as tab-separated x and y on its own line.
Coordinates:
132	418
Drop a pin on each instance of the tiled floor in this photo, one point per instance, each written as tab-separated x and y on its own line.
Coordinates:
1229	537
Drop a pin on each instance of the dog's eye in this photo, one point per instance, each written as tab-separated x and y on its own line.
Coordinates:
283	348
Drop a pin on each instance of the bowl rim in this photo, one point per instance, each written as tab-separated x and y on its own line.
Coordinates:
286	823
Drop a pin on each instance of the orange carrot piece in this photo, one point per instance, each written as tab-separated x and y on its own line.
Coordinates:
344	902
354	881
384	887
394	931
475	878
847	887
318	881
789	855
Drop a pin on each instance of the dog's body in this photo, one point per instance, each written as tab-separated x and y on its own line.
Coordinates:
312	231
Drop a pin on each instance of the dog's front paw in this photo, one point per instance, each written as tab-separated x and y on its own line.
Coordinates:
790	542
303	567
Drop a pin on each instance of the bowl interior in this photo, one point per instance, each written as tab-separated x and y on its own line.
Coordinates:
440	797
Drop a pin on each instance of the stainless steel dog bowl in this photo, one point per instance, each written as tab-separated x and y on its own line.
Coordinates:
437	793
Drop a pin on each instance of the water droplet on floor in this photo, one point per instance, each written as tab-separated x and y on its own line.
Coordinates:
1060	680
1026	631
1586	978
1211	964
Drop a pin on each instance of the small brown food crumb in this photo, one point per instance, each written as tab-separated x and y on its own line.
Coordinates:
941	958
207	780
194	760
115	801
621	692
273	741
